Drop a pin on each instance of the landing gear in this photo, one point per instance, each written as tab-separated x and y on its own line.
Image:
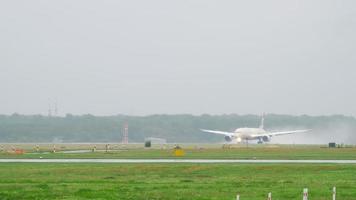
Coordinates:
260	141
226	146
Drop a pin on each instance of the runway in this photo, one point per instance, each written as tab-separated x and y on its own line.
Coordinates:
138	161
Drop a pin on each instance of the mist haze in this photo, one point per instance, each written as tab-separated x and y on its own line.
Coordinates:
339	133
194	57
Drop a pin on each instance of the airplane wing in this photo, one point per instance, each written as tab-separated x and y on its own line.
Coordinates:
218	132
270	134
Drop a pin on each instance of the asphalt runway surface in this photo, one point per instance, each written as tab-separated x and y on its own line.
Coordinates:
174	161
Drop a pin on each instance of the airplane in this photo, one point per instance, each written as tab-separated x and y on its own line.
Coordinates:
246	134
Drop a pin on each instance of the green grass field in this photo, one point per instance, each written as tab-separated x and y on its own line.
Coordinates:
265	152
180	181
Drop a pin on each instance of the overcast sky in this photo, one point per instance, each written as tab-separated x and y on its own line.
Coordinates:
143	57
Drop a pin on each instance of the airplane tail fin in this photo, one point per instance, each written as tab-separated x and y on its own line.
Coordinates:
262	121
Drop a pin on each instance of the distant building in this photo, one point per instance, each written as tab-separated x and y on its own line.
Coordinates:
332	145
156	140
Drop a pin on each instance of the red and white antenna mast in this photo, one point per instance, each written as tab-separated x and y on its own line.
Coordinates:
125	133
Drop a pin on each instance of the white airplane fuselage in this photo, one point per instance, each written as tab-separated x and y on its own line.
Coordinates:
242	134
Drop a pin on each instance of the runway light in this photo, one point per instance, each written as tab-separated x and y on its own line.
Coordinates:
334	193
305	194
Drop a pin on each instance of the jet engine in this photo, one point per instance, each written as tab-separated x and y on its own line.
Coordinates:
228	139
266	138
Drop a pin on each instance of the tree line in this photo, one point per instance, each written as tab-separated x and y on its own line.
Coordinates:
173	128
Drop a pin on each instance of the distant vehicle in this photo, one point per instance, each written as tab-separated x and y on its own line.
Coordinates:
246	134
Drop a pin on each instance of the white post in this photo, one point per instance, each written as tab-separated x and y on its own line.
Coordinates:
269	196
305	194
334	193
237	197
